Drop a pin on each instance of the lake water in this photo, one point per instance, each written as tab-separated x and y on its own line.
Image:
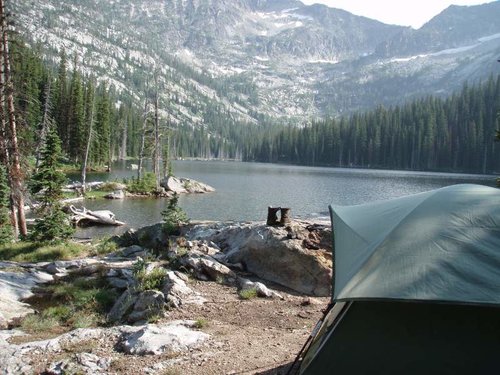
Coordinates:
245	190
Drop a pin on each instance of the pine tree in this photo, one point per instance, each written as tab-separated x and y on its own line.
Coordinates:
48	182
173	216
5	224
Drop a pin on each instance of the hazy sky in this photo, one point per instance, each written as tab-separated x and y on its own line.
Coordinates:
399	12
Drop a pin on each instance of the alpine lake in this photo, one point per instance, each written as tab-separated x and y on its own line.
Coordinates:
245	190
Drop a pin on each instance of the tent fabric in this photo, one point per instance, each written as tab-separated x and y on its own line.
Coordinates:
392	337
441	245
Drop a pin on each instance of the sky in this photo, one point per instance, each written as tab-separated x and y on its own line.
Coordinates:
398	12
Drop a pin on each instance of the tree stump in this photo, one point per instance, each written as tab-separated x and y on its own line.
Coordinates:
272	216
285	216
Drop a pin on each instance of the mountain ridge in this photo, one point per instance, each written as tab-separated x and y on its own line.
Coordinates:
258	59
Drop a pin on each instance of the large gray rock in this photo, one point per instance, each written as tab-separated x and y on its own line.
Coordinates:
185	185
15	359
279	254
172	338
15	287
152	237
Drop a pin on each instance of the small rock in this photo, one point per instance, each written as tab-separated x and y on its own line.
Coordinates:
121	306
118	283
130	250
178	293
261	289
206	267
81	363
149	303
172	338
53	269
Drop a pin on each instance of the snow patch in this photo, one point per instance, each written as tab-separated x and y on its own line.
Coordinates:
449	51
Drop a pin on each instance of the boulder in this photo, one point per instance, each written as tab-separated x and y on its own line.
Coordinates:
184	185
149	303
271	253
206	267
117	194
177	293
15	287
152	237
172	338
122	305
118	283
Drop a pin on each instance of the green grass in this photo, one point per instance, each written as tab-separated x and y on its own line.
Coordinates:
200	323
38	323
68	195
248	293
35	252
105	246
76	303
96	194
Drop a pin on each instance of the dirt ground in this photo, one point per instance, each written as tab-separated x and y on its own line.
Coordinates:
255	336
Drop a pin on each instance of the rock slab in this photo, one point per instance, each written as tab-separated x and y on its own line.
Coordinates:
172	338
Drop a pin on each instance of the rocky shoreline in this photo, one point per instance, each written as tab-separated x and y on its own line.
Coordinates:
282	267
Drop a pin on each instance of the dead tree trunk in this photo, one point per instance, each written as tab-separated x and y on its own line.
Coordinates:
272	215
89	143
123	148
15	172
157	144
44	126
143	139
4	145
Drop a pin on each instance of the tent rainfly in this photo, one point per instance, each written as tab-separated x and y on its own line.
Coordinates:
416	287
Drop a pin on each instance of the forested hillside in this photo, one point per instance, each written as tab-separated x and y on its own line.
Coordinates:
453	134
74	104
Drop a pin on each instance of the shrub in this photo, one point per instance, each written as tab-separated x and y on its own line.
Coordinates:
53	227
148	280
200	323
147	184
173	216
248	293
109	186
106	246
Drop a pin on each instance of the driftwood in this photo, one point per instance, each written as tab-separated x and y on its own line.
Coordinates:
83	217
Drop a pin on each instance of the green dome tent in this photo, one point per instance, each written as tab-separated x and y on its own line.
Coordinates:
416	286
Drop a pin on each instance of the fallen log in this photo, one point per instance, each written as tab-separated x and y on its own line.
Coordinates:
84	217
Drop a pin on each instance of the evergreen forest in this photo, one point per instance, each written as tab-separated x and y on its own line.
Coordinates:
432	133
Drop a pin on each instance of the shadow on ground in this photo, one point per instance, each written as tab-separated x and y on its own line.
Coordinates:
281	370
